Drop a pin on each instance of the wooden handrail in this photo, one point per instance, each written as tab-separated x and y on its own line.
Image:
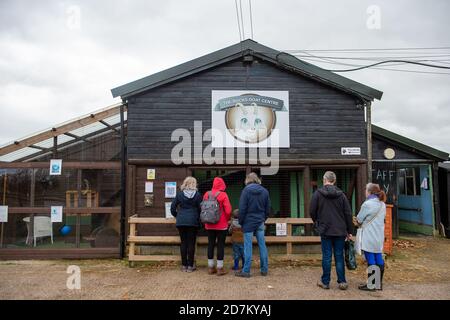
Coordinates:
204	240
149	220
134	239
71	210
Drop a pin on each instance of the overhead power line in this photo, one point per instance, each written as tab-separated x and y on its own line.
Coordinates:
392	62
375	58
378	68
251	17
238	23
369	49
242	20
389	61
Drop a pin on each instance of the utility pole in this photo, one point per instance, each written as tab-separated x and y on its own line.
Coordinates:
369	140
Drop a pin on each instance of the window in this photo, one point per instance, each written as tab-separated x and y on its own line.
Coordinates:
30	192
409	181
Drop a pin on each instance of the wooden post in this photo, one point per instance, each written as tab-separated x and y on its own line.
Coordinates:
4	203
359	188
306	188
32	196
132	245
131	194
364	178
289	244
55	147
88	199
306	195
434	175
77	203
369	140
96	197
123	183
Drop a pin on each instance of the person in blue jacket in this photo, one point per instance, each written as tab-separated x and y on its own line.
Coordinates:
186	208
254	209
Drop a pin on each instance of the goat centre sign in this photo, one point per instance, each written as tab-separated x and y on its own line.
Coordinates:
250	119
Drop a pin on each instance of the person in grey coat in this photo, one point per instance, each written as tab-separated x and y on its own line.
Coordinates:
371	220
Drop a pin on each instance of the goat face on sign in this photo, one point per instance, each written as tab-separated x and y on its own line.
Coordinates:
251	123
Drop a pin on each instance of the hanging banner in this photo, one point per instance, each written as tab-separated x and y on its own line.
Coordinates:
55	167
3	213
56	213
250	119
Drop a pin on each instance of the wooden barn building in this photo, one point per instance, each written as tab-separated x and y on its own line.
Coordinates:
129	158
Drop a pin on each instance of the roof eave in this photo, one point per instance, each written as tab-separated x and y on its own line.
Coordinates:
412	144
232	52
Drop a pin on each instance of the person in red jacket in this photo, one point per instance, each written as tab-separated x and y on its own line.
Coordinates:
217	233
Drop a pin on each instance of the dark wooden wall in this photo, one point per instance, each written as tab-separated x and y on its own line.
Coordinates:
163	174
379	144
322	119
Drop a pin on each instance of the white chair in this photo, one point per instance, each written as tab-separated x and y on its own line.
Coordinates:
42	228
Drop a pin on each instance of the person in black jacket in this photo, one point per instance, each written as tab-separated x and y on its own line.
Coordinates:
186	208
332	216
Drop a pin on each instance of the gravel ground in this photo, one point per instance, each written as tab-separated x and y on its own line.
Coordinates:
412	273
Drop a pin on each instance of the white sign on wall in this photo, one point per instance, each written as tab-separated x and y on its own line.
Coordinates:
3	213
346	151
250	119
281	229
168	213
56	213
149	187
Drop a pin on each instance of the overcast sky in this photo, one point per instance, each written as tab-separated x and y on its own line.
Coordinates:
59	59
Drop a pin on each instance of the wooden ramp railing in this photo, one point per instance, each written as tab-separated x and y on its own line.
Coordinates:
135	239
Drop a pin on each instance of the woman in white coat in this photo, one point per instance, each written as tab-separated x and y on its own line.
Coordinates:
371	220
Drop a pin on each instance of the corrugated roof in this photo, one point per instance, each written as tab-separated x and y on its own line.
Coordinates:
247	47
63	139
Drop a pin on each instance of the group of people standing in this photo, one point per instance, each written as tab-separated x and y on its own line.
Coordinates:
248	220
329	209
333	220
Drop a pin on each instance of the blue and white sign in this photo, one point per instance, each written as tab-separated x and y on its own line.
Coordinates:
55	167
56	213
171	189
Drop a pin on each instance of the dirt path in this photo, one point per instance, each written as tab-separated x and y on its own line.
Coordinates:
415	272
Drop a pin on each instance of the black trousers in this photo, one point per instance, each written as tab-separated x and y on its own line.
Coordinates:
216	237
188	236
